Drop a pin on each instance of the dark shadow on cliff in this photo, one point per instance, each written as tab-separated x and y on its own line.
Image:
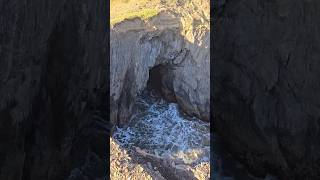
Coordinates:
53	106
159	84
266	85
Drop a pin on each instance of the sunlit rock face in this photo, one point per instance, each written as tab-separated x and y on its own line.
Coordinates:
122	166
176	39
266	85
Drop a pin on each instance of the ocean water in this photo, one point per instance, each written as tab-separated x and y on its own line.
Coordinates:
160	128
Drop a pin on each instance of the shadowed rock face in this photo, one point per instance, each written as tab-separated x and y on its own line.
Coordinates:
266	87
136	47
52	89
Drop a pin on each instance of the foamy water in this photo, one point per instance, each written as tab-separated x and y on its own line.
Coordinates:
160	128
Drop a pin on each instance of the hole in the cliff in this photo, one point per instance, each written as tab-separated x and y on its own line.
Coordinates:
158	129
155	79
160	82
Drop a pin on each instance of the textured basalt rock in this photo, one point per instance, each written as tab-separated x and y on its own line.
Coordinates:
53	89
266	84
178	43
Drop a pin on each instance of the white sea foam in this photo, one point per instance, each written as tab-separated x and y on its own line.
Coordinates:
161	129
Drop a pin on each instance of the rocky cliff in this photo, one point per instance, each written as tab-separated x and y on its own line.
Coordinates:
176	41
53	89
266	84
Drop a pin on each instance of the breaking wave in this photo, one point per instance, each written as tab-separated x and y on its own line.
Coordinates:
162	129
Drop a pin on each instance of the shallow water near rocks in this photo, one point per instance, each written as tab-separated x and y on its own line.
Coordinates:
160	128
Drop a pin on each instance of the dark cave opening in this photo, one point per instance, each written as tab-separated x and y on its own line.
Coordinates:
160	82
164	117
155	79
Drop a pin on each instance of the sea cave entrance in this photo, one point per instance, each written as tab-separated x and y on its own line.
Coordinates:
158	131
160	82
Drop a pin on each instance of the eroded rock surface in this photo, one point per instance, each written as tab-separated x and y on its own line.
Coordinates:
139	164
53	98
266	85
177	39
122	166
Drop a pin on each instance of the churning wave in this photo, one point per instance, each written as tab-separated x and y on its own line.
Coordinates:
160	128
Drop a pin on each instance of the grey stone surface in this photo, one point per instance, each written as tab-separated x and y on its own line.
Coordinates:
266	85
52	89
138	46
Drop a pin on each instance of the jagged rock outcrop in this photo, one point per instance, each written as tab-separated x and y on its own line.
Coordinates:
178	41
266	86
139	164
129	165
53	90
